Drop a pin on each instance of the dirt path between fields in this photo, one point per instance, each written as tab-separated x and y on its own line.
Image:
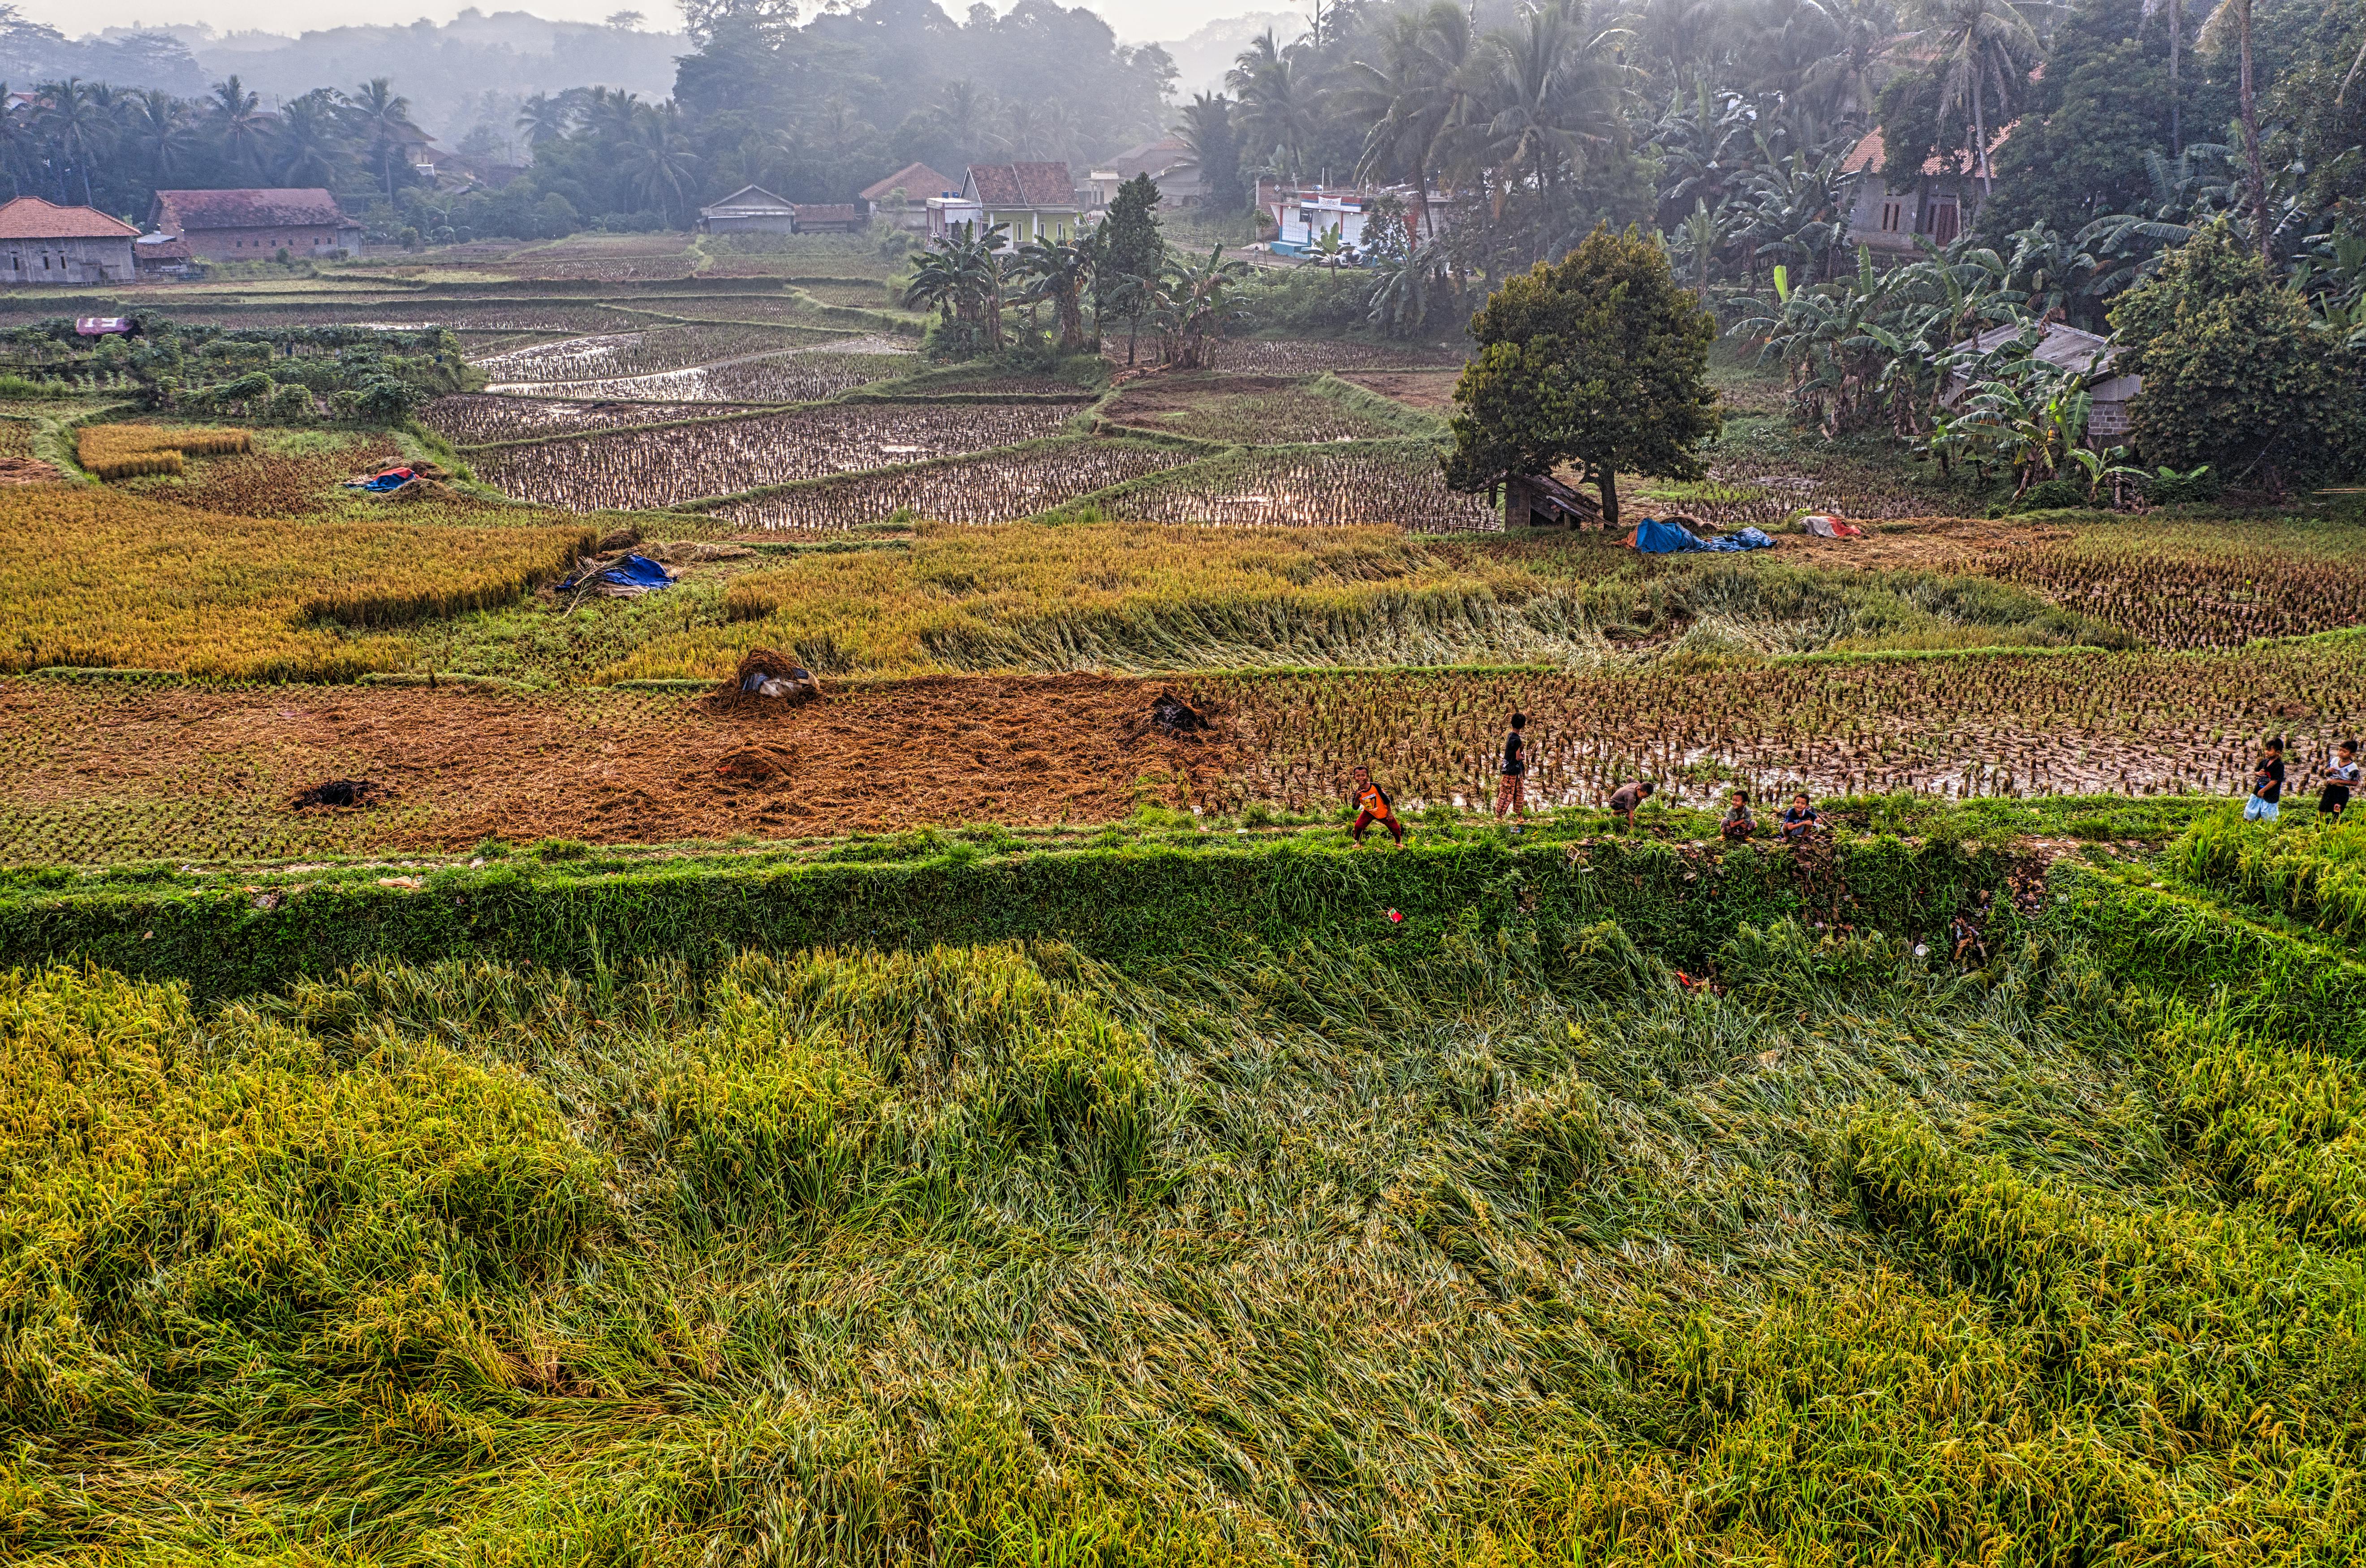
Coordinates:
459	765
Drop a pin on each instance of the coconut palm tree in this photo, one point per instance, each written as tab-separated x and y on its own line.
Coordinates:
311	145
1415	99
1277	102
961	115
657	158
545	119
240	125
381	121
1983	48
2236	16
73	117
157	123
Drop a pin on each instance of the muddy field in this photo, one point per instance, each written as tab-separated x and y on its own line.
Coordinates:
96	772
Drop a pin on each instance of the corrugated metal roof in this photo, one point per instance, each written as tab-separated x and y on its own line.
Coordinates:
30	218
184	210
749	198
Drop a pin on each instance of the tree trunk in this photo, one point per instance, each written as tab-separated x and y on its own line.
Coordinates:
2251	134
1981	136
2175	48
1605	482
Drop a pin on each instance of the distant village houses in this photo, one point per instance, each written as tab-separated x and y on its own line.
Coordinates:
750	209
1937	201
901	201
1034	201
41	243
255	225
1168	161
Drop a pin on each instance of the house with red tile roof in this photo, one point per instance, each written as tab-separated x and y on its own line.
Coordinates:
44	244
902	199
256	225
1034	201
1894	205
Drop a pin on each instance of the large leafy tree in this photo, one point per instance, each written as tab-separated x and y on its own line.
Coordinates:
1129	255
2235	372
1599	359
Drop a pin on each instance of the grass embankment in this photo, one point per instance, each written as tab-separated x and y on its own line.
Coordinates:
99	579
1490	1246
1123	902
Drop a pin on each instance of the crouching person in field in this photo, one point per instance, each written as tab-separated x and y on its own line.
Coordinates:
1372	804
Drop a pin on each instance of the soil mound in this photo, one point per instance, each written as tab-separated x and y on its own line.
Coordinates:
756	764
1173	715
339	793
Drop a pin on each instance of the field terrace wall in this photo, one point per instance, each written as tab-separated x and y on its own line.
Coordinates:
1148	904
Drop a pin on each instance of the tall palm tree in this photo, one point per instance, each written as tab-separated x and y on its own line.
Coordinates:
157	123
239	123
657	158
74	118
310	144
1415	99
1548	99
1277	104
381	121
1858	38
961	115
2237	13
1207	129
545	119
1984	47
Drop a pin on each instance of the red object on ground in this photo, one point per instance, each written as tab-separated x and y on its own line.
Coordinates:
1395	919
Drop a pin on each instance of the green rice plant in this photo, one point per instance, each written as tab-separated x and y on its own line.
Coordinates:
2196	1330
2317	875
2285	1126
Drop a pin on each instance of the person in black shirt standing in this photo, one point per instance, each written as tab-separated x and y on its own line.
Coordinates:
2267	784
2340	778
1511	793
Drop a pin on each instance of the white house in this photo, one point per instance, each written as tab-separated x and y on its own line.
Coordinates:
750	209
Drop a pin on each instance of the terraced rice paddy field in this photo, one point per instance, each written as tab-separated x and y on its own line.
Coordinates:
476	1086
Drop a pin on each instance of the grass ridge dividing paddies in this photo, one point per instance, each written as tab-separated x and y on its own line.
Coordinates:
127	451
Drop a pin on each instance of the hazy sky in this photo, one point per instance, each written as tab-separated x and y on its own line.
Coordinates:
1136	21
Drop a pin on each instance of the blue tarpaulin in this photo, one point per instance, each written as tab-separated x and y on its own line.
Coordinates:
633	574
393	479
1748	539
1655	537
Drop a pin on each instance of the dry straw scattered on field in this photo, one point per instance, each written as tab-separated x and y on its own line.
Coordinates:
104	578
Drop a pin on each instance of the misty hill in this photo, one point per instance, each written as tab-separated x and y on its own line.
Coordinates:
1201	59
474	69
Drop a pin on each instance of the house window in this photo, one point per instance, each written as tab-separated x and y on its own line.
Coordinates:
1941	220
1892	214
